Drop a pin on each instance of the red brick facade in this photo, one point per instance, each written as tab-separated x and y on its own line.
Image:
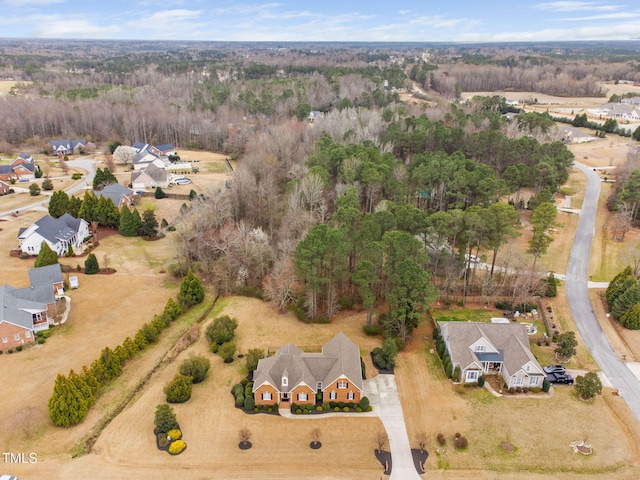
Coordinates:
266	389
14	336
341	392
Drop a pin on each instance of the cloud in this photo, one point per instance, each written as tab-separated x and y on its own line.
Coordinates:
570	6
170	16
56	26
604	16
22	3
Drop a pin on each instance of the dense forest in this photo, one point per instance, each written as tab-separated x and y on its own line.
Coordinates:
380	204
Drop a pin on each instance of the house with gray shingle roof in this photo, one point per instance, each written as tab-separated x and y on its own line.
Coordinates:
66	147
151	177
59	233
50	276
293	376
25	311
484	348
119	194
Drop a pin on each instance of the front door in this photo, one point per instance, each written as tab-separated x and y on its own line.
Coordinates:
285	397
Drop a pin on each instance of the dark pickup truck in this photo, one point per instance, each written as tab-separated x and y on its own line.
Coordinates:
560	378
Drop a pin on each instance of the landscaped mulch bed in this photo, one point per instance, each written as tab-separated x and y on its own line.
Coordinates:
315	445
384	458
419	459
381	370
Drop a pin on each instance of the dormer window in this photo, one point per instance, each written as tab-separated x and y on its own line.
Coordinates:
480	348
285	381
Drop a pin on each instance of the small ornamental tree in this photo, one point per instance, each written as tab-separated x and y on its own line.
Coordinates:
47	184
165	419
159	193
34	190
191	291
252	358
588	386
46	256
221	330
91	265
227	351
179	389
195	367
567	344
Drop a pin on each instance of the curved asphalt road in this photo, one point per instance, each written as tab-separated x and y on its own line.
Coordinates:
85	164
578	298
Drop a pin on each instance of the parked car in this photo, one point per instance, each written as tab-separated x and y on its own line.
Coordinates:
554	369
564	378
471	258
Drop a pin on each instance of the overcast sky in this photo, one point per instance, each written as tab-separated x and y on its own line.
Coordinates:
322	20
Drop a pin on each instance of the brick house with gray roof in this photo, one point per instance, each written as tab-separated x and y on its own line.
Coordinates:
501	348
292	375
25	311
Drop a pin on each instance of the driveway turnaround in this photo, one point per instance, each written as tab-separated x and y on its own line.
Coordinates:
390	412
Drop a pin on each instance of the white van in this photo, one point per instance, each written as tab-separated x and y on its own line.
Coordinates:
471	258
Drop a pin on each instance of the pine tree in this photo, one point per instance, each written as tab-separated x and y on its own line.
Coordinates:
89	208
165	419
58	203
191	291
127	226
46	256
73	207
149	225
91	265
137	221
67	405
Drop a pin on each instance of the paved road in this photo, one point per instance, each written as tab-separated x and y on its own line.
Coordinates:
576	283
85	164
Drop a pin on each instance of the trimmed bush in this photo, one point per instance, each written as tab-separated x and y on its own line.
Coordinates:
175	434
19	348
237	388
364	403
371	330
441	439
319	408
179	389
460	442
326	406
358	409
249	403
481	381
336	409
240	400
177	447
546	385
195	367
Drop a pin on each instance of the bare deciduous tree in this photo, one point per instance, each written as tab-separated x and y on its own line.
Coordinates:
381	440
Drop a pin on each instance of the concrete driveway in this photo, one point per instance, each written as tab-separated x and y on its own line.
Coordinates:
382	392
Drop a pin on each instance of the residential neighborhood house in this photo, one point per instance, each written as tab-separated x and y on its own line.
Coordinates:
151	177
59	233
119	194
4	188
22	167
502	348
25	311
66	147
292	375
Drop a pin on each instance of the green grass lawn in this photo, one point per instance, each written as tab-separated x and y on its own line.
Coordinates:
214	167
461	314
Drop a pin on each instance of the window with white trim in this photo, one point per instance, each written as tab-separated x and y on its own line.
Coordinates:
285	381
518	381
533	381
350	396
342	384
472	375
480	348
303	397
266	396
16	336
333	395
27	334
5	339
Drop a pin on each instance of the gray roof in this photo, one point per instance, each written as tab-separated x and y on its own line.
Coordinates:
340	357
154	172
508	339
45	275
57	229
165	148
144	156
114	191
15	301
140	146
6	169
